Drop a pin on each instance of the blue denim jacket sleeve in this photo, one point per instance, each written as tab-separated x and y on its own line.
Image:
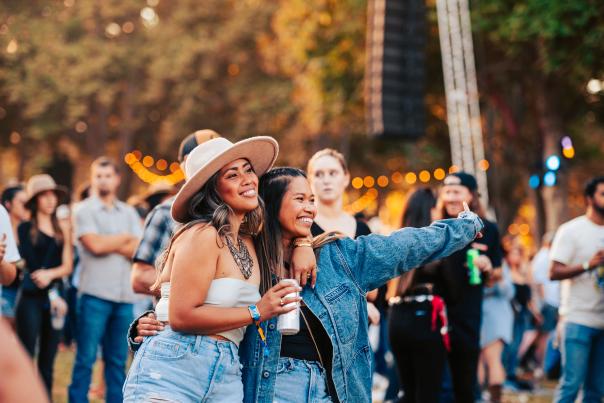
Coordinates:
375	259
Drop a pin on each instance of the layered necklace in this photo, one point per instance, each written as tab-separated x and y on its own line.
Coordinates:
241	255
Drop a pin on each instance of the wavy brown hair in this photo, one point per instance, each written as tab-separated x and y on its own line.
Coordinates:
206	206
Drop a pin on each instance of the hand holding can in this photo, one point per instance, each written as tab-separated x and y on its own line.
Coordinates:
289	323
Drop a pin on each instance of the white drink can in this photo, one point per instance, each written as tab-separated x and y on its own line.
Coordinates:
162	307
289	323
63	212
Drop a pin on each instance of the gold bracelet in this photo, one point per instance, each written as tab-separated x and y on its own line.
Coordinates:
302	242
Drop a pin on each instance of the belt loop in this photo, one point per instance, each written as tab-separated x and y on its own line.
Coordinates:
197	346
312	375
233	349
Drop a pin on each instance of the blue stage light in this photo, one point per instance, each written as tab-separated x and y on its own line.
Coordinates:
534	181
549	179
552	162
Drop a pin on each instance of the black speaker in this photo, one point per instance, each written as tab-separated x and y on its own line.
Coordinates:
395	71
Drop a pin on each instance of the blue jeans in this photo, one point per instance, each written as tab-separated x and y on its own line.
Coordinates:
582	364
8	302
522	322
300	381
178	367
105	323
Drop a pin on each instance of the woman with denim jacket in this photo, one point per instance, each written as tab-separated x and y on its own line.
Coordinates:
336	319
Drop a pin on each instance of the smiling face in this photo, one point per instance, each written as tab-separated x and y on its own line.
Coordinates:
328	178
237	186
453	197
298	209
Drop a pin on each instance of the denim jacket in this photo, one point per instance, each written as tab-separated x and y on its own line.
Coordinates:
347	270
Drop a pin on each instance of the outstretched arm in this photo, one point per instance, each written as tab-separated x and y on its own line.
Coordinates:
374	259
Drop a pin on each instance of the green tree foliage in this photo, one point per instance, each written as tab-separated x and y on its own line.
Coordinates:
535	58
91	77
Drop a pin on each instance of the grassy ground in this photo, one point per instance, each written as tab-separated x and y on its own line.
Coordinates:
64	365
62	378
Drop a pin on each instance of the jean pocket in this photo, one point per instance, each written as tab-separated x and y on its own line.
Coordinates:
575	332
165	350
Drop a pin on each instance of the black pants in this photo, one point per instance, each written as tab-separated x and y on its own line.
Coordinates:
32	315
463	363
419	351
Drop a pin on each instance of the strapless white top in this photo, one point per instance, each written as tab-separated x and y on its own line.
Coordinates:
231	293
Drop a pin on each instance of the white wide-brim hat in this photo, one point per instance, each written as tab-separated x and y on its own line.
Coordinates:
208	158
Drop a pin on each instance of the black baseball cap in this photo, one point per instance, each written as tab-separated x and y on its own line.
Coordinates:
193	140
462	179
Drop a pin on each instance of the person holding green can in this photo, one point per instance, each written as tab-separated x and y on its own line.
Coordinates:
471	268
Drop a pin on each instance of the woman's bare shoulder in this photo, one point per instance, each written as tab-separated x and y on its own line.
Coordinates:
201	234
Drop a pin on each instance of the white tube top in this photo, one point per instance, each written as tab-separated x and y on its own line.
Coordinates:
230	292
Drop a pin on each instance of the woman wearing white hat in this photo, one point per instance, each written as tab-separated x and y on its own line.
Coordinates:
213	276
45	246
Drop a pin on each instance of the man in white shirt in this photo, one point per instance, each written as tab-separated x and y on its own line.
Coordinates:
577	256
9	254
549	295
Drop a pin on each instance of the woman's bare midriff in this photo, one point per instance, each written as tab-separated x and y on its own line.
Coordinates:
218	337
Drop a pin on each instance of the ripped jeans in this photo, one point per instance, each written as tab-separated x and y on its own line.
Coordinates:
176	367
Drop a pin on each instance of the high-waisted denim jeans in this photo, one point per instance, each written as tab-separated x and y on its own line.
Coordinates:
300	381
179	367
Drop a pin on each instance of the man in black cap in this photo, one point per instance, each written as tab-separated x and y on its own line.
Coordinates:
465	291
159	225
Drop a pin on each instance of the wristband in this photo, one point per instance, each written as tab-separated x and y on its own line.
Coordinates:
585	266
254	313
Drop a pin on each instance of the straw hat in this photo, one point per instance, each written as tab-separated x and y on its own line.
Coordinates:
208	158
42	183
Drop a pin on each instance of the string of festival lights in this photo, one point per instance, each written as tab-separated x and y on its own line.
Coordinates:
141	166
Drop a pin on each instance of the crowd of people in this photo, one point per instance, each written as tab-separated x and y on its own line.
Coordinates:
464	312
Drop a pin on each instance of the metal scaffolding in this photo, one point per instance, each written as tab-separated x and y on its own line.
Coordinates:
461	90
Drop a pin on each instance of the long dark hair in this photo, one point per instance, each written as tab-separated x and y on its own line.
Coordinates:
35	230
417	213
9	194
418	210
272	188
206	206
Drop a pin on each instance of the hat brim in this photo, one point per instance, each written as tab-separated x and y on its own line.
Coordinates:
260	151
60	191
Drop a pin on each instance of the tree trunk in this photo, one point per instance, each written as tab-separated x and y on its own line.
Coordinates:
126	133
550	127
